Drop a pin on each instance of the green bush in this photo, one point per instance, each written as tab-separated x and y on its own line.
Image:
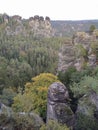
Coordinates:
23	122
78	75
80	51
92	28
86	85
84	122
94	47
65	77
7	96
53	125
19	122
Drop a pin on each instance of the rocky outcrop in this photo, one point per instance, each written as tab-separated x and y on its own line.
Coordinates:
81	52
37	26
66	57
41	27
86	44
57	105
83	38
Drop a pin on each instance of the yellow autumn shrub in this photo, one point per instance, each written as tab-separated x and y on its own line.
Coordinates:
35	94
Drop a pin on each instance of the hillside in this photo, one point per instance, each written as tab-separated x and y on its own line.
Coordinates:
38	26
40	45
68	28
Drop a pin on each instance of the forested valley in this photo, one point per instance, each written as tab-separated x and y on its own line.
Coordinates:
32	57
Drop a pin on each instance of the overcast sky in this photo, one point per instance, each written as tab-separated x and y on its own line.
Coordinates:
55	9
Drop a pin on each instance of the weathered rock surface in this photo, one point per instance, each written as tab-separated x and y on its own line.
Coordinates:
66	57
36	26
81	52
41	27
57	105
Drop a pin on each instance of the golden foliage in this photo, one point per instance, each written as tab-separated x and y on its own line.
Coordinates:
35	95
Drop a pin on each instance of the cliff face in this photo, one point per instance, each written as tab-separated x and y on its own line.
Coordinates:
41	27
81	51
37	26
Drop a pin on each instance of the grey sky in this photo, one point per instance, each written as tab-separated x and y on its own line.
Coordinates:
55	9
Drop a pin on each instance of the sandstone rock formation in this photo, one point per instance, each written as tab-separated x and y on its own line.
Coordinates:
37	26
66	57
57	105
41	27
81	52
87	45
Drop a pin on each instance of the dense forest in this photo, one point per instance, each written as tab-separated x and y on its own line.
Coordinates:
29	65
23	57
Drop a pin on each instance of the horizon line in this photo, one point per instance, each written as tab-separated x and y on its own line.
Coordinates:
88	19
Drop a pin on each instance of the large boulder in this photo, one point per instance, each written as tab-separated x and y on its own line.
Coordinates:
57	105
